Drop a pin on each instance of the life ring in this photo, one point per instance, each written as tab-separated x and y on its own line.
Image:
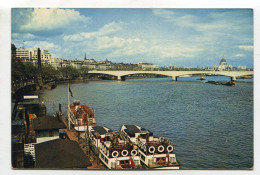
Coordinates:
160	148
151	149
170	148
114	154
133	152
124	152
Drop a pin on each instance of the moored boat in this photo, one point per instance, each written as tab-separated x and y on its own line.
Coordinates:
80	115
154	152
114	152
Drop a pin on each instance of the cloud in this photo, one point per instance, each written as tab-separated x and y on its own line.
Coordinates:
107	29
42	19
239	55
166	14
22	36
42	44
246	47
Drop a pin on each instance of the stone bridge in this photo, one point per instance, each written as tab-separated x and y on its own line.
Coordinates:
174	74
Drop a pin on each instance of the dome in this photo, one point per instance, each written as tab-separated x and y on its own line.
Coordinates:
223	60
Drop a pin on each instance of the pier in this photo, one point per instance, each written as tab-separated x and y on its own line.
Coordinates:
73	135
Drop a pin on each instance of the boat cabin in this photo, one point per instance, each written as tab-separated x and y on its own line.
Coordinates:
114	152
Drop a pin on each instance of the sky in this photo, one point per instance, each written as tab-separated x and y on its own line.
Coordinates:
187	37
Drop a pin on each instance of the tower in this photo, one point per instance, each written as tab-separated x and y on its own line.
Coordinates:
85	56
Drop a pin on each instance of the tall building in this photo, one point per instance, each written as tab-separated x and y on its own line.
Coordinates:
45	54
23	53
31	54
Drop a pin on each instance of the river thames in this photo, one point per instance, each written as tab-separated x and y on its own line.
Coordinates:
211	125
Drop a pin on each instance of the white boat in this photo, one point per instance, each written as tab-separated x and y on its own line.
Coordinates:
114	152
156	153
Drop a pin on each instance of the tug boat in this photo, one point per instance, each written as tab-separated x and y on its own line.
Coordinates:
80	115
155	153
114	152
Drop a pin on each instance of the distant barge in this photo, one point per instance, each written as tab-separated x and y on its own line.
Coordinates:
229	83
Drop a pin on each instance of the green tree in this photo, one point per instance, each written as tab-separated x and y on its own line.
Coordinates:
49	73
69	72
83	71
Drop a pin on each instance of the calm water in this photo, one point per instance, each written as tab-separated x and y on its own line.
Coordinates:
211	125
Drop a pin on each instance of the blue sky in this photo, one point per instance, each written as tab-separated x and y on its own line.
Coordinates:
189	37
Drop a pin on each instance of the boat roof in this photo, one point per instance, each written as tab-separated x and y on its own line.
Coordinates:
132	128
100	129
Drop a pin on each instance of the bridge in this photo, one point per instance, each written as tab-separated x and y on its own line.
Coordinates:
175	74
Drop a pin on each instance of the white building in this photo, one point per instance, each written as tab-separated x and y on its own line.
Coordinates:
223	66
45	54
23	53
241	67
146	66
31	54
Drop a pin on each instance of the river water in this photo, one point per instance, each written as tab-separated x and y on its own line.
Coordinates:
211	125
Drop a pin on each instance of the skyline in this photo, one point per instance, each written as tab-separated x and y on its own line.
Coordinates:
190	37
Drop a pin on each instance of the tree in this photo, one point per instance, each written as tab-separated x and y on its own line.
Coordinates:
49	73
69	72
83	71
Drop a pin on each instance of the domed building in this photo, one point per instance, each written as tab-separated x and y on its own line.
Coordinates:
223	66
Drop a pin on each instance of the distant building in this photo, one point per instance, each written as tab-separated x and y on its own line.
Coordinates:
31	55
241	67
146	66
223	66
23	54
76	64
45	55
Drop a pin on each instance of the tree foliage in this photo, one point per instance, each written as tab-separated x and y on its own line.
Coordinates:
24	73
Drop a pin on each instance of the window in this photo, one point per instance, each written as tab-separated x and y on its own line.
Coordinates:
51	133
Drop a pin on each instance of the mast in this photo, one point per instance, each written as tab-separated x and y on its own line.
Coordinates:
68	105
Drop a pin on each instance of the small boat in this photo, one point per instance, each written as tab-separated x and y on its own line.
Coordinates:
229	83
201	78
80	115
113	152
211	82
155	152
